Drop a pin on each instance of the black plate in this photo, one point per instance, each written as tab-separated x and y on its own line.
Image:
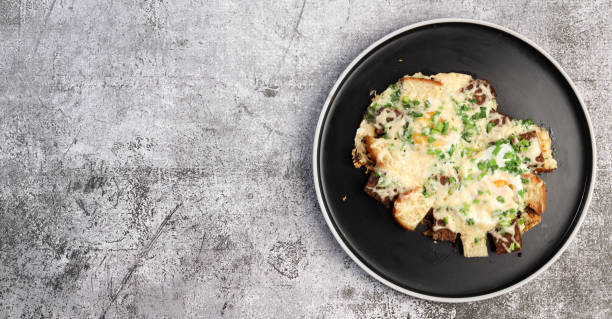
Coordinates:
528	85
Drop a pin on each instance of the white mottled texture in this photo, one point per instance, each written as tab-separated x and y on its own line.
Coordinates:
155	158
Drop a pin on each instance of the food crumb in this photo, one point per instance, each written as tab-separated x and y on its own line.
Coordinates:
344	199
400	60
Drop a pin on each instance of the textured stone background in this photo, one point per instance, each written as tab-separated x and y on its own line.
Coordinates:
155	158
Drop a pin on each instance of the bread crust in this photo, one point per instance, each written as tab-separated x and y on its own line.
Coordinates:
502	246
408	79
531	219
442	233
536	193
410	208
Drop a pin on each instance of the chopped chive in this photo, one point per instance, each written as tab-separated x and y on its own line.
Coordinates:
451	150
406	101
497	149
482	166
500	199
490	126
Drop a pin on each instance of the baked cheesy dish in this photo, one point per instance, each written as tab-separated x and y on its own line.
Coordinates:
437	150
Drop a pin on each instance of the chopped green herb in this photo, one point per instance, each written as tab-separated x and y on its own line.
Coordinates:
524	180
415	114
406	101
445	128
482	166
445	220
439	126
395	95
522	192
497	149
490	126
514	246
492	165
500	199
431	139
476	240
451	150
480	115
427	104
475	201
470	221
369	117
467	136
523	145
480	192
435	115
470	151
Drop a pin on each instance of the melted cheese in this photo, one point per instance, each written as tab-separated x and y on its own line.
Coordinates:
432	144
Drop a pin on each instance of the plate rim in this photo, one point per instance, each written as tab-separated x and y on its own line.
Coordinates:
315	164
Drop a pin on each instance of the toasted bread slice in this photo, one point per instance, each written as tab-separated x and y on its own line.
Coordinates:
419	89
442	233
453	81
504	242
360	152
546	161
410	208
474	246
535	196
383	194
531	219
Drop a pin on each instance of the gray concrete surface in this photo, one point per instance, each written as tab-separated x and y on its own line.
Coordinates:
155	158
